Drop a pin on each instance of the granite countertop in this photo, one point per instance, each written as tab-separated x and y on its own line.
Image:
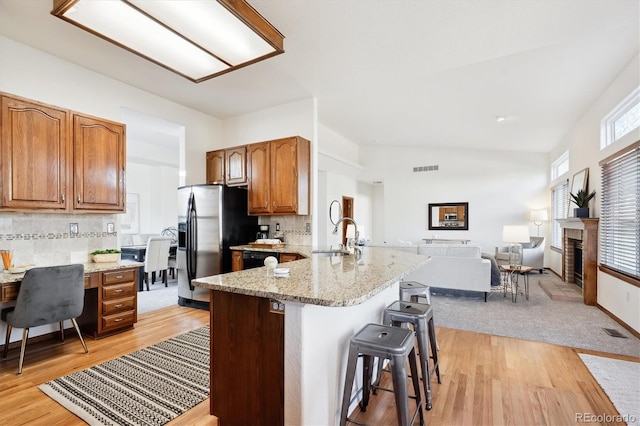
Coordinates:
321	280
6	277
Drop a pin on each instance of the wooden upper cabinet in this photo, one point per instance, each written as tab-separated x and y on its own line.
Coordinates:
59	160
236	166
215	166
99	164
278	173
34	155
259	177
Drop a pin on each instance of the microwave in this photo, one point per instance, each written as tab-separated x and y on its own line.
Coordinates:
451	216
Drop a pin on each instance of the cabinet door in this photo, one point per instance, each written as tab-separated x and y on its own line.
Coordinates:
34	155
99	164
236	260
284	176
215	166
288	257
236	166
259	176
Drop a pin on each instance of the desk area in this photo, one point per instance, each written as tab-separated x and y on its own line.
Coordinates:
110	303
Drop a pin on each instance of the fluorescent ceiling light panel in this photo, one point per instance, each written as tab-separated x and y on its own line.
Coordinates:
198	39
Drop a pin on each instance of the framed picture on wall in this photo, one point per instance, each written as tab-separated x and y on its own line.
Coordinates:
580	182
129	222
449	216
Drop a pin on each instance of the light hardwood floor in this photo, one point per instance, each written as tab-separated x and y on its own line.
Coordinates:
486	380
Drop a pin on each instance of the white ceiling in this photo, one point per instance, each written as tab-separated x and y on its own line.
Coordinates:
395	73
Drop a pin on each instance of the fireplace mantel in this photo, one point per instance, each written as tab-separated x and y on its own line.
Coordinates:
586	231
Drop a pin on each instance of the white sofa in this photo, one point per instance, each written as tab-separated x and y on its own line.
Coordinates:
451	266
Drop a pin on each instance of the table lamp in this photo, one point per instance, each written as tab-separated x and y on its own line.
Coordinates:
537	217
351	236
515	235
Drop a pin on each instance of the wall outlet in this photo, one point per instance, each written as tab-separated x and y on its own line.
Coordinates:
276	306
277	227
111	228
73	228
308	227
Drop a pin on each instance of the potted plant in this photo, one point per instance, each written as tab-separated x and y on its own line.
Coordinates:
108	255
581	199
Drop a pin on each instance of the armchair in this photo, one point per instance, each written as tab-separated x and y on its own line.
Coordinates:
532	254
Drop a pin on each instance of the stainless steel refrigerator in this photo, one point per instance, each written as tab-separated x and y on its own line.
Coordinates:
211	219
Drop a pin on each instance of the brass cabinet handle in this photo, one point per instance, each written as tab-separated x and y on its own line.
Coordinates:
118	290
78	198
119	276
119	305
117	320
63	198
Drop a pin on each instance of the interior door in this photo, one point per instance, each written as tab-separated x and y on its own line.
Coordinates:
347	211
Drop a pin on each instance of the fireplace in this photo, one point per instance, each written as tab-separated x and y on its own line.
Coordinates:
577	263
580	255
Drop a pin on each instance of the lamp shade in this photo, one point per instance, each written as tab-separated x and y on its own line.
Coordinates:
515	234
539	216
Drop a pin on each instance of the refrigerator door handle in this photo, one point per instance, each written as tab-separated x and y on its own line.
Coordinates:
194	248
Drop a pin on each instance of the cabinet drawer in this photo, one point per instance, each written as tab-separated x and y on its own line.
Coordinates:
9	292
119	305
118	290
113	322
120	276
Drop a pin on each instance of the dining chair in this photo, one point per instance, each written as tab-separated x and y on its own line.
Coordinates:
156	259
47	295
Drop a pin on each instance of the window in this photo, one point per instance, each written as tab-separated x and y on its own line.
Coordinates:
559	207
560	166
623	119
620	212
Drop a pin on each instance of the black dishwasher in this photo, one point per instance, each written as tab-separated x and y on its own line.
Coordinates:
255	259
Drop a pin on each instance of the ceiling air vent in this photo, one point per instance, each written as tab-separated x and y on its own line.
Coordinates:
425	169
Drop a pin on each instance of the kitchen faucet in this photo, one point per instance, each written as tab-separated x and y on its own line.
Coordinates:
356	236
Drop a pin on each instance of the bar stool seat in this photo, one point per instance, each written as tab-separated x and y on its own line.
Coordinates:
410	291
419	315
383	342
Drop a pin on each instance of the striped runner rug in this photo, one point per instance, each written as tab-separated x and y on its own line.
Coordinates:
148	387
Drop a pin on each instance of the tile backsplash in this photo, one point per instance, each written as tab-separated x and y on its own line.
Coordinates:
44	238
293	228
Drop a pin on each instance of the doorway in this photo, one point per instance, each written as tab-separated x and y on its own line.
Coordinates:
347	211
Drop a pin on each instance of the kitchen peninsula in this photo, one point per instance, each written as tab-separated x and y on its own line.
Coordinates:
279	345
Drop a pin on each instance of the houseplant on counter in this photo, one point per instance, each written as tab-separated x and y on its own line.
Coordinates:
581	199
104	256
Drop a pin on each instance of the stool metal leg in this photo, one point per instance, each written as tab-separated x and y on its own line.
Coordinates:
399	376
367	367
434	353
416	385
348	384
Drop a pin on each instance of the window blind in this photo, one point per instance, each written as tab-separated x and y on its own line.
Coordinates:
560	199
620	213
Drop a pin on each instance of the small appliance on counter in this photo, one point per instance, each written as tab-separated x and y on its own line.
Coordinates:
263	232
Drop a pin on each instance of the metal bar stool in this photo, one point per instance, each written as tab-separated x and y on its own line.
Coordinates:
411	291
420	315
383	342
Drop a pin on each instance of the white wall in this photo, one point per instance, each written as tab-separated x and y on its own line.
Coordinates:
500	187
583	142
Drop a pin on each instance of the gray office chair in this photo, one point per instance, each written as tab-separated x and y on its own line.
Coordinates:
47	295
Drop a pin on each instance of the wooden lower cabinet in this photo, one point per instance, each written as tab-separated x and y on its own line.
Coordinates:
247	360
111	305
289	257
237	264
